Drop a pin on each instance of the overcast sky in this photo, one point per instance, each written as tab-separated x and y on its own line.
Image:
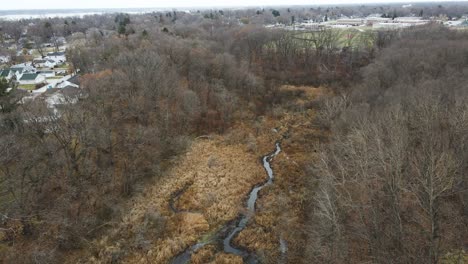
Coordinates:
67	4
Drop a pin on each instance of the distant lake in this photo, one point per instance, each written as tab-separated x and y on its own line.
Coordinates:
32	14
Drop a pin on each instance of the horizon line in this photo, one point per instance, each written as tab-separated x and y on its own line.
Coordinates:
338	3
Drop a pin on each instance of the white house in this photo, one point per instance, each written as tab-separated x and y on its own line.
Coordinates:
7	74
58	57
17	71
371	20
5	59
26	67
32	78
47	74
44	63
67	84
24	52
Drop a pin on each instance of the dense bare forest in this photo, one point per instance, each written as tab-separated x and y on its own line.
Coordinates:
392	183
132	167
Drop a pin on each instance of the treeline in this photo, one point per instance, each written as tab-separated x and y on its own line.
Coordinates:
390	187
142	99
149	84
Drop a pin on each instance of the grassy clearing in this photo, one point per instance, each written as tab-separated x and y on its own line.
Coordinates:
28	87
352	37
55	78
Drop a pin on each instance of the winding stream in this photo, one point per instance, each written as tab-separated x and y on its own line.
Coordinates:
251	205
223	238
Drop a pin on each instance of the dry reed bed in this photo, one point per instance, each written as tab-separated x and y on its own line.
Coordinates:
221	176
221	172
280	207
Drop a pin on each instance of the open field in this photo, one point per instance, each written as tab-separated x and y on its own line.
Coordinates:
29	87
341	37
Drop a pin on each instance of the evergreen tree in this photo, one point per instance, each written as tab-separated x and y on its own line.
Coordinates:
3	87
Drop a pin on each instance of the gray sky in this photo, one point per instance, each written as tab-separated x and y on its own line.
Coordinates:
67	4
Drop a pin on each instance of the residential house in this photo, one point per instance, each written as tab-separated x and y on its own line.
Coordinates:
371	20
58	57
24	52
20	69
56	98
411	20
75	80
5	59
26	67
61	40
6	73
66	84
44	63
32	78
72	82
16	72
47	74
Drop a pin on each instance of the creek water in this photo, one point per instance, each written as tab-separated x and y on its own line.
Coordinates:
223	238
